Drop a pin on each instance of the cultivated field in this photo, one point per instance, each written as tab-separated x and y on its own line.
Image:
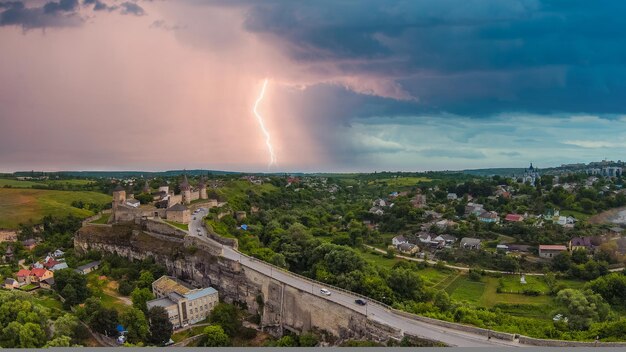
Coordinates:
25	205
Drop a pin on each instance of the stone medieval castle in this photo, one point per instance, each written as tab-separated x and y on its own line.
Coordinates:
167	204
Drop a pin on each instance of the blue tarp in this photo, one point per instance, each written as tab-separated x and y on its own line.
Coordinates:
244	227
120	328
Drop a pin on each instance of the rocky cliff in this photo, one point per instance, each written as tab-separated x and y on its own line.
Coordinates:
199	263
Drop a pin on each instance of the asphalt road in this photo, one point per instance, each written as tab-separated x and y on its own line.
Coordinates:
373	310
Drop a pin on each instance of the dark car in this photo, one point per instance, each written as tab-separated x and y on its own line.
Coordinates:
360	302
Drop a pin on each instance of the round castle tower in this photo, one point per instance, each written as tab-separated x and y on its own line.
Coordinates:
185	191
119	196
202	189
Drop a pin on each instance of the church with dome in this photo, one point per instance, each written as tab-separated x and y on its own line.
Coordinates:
531	175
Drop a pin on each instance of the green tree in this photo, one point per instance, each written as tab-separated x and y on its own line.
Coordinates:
227	317
78	281
582	308
140	296
104	321
214	336
65	325
145	279
134	321
59	341
31	336
579	256
70	296
405	283
160	326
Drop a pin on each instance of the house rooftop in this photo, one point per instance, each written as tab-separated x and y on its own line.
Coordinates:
167	284
88	265
552	247
194	294
160	302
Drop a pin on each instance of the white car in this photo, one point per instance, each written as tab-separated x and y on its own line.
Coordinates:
325	292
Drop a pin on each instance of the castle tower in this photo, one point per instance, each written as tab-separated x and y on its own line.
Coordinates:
119	196
202	189
185	190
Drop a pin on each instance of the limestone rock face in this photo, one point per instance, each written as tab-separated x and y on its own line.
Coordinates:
199	263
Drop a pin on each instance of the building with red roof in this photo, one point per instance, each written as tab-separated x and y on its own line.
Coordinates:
514	218
551	250
40	274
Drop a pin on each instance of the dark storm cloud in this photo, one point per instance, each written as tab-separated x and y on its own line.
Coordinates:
129	8
61	13
99	5
466	57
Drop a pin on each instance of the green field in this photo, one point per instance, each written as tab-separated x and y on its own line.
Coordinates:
512	284
26	205
28	184
236	194
19	184
179	336
400	181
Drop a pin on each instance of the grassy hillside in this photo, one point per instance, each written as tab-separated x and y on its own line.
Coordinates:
28	184
24	205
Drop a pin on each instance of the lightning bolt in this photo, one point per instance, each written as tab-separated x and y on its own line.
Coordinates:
259	118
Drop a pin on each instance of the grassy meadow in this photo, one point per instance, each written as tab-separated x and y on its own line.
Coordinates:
22	205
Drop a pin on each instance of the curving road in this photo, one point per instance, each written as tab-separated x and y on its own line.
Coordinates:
373	310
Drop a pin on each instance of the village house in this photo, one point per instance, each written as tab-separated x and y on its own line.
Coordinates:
514	218
470	243
473	208
29	244
550	250
448	239
398	240
87	268
38	275
424	237
11	284
47	283
380	203
521	248
445	223
408	248
582	243
58	253
489	216
23	276
376	211
452	196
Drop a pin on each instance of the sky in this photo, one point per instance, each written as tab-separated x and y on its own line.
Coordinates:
367	85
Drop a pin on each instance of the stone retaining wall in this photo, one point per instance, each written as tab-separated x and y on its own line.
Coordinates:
456	326
562	343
